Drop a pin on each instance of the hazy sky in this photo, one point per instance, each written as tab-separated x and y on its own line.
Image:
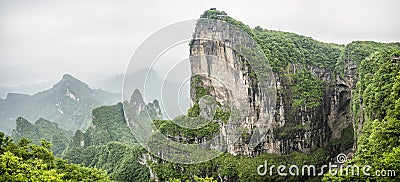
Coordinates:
93	39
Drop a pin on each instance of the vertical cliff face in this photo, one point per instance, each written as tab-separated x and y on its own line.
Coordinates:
227	75
353	55
310	108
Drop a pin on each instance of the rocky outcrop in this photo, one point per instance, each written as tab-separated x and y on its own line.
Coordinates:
227	76
138	111
230	79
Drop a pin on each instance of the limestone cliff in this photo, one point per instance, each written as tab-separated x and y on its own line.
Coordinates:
294	122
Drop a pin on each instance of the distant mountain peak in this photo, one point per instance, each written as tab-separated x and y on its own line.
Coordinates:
70	81
68	77
136	95
68	103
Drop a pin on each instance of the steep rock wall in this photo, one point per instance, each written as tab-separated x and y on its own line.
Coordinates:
286	128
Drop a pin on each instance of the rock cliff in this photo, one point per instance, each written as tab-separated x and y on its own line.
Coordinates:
295	121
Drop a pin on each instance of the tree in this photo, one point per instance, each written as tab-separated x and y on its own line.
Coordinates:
29	162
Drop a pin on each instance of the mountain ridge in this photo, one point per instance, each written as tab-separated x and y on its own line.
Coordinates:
68	103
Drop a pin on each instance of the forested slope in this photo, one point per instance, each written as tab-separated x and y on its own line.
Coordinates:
109	145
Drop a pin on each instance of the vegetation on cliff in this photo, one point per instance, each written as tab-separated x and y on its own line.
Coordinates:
376	103
109	145
42	129
284	49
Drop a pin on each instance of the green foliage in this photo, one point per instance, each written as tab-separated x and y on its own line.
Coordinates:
109	145
377	104
307	90
237	168
108	125
198	179
206	179
246	136
222	115
199	88
222	16
28	162
194	111
43	129
169	128
284	48
13	168
359	50
120	160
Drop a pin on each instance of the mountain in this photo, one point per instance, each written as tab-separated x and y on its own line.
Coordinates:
68	103
109	144
108	125
42	129
306	102
25	88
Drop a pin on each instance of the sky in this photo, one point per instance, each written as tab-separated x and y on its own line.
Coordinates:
93	39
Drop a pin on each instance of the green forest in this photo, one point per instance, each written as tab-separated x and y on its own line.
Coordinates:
108	151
